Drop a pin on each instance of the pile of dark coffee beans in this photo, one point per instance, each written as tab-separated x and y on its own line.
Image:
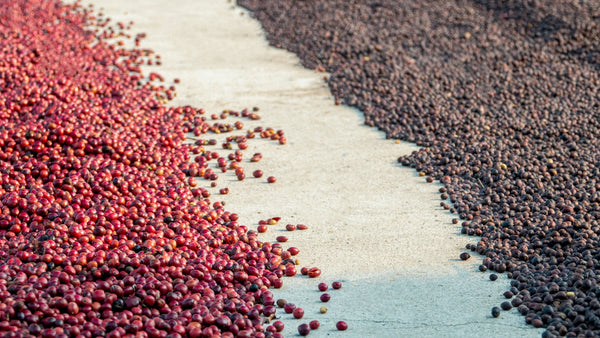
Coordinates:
503	97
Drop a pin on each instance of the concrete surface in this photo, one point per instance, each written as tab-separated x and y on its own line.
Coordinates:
373	225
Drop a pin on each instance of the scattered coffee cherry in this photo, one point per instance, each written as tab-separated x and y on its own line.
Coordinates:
314	324
262	228
290	227
506	306
281	302
224	191
277	283
290	271
279	326
286	255
323	309
464	256
303	329
257	173
493	277
325	297
269	310
293	250
289	307
508	295
336	285
304	271
281	239
314	272
323	287
301	227
341	325
271	179
298	313
495	312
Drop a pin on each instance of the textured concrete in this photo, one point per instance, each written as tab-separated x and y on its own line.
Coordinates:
374	225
